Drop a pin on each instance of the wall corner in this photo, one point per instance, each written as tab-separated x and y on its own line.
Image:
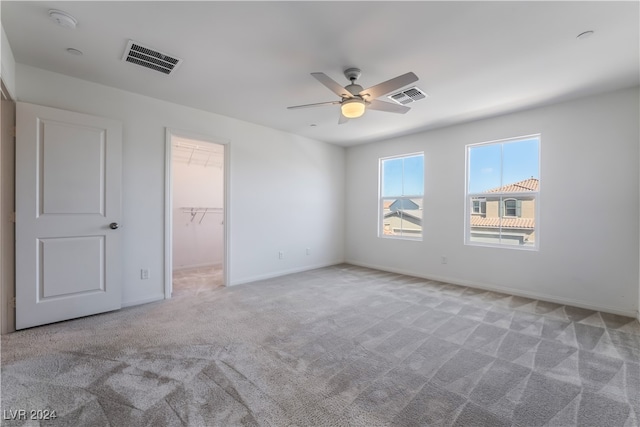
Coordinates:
7	65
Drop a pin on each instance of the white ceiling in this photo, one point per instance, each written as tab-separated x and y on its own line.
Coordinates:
250	60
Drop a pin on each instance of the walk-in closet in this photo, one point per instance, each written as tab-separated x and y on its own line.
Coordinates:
198	214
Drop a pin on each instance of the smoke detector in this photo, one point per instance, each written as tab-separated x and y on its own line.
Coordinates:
63	19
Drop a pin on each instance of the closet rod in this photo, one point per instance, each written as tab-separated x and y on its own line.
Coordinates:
190	209
204	211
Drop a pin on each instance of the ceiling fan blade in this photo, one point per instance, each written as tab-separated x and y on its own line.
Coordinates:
376	104
318	104
390	85
342	119
332	85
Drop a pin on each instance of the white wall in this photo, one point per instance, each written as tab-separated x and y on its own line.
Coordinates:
589	206
288	193
7	64
269	169
198	239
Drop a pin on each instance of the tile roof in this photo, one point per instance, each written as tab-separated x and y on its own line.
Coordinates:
529	184
386	204
415	213
478	221
404	205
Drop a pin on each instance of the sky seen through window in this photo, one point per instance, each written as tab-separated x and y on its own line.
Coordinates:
403	176
497	164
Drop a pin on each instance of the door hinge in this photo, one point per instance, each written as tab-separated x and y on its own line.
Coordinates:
13	217
13	302
13	132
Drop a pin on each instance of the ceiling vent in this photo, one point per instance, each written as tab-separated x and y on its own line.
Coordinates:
408	96
144	56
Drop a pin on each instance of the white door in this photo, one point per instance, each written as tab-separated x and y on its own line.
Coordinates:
68	208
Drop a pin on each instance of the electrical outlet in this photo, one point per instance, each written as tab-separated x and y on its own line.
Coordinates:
308	251
443	259
280	255
144	273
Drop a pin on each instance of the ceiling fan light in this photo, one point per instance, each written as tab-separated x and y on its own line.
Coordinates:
352	108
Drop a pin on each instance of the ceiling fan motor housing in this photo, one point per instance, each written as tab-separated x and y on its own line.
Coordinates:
354	89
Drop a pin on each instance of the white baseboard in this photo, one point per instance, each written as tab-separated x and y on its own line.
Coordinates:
283	273
503	289
155	298
189	267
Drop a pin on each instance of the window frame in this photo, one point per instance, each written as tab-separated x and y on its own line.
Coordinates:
503	197
381	199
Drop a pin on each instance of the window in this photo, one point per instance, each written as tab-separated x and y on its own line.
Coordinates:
503	185
510	207
479	206
401	196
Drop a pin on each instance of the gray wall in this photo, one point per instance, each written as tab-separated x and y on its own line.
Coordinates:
589	206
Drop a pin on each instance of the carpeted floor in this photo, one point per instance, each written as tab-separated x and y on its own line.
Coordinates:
196	280
336	346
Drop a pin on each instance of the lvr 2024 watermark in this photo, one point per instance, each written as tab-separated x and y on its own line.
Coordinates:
33	414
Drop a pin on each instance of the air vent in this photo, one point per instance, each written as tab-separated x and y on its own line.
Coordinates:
408	96
147	57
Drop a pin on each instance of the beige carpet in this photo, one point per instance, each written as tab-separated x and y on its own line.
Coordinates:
197	280
336	346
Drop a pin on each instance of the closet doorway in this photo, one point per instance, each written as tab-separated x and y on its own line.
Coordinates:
196	215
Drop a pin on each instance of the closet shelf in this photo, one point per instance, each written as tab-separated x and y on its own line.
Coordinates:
197	154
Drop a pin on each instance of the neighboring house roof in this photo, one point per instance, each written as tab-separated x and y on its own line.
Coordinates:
414	213
404	205
529	184
527	223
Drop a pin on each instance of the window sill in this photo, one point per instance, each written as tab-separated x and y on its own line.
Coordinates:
412	239
533	248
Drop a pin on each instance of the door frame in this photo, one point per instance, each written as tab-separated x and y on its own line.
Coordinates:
7	216
168	204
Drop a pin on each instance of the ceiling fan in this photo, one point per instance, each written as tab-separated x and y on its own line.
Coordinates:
355	100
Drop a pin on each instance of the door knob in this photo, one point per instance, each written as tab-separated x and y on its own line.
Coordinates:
114	226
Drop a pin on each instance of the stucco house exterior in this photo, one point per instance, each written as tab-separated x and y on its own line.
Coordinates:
402	217
509	217
505	215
